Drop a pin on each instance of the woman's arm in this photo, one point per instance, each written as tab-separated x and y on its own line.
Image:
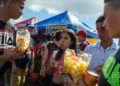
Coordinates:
32	62
43	61
44	56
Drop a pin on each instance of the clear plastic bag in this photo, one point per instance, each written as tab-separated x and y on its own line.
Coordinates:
22	40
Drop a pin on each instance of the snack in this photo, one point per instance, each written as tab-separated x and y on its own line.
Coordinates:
74	65
22	40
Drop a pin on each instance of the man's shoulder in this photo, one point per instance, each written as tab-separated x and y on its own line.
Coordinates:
91	46
85	43
9	26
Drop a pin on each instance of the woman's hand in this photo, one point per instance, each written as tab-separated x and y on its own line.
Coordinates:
14	68
53	63
98	68
43	71
69	82
31	68
57	78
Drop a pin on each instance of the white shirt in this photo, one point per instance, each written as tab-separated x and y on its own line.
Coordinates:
99	55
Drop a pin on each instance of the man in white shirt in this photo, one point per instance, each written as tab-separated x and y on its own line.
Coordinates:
102	49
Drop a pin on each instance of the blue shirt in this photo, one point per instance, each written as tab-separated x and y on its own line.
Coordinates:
99	54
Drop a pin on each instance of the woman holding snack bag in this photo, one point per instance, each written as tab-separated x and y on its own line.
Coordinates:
68	40
21	65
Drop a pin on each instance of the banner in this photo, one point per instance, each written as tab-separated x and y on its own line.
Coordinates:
58	27
92	40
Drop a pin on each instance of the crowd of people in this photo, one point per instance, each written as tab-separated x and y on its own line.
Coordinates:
41	64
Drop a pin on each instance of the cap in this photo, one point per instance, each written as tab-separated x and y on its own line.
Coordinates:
82	33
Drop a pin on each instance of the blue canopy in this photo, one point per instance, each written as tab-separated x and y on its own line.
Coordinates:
61	19
64	19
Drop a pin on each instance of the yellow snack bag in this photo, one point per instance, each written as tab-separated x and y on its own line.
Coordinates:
74	65
22	40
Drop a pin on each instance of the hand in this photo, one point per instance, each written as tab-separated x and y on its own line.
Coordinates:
14	69
31	68
90	78
53	63
10	55
34	76
81	83
56	78
28	49
98	68
69	82
42	71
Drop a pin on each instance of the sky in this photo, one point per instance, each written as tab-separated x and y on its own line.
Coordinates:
86	11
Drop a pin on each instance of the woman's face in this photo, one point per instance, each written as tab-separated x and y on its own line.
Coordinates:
65	41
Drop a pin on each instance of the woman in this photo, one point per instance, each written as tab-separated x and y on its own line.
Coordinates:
49	47
68	40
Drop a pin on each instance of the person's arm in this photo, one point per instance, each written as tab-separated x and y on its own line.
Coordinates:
32	62
32	58
44	56
10	55
14	67
43	61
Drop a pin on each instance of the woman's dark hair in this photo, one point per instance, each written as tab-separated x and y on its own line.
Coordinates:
56	35
72	35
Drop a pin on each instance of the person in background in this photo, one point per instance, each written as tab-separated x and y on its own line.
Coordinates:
36	47
102	49
21	65
81	36
110	75
49	48
9	9
31	29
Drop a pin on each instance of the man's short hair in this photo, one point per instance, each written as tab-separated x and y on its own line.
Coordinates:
113	3
1	1
4	1
100	19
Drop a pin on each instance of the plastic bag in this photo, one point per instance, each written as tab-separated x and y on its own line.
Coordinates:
22	40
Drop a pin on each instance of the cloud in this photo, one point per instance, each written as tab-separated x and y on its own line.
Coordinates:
81	7
52	11
36	8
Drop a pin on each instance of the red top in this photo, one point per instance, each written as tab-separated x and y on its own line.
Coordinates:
36	47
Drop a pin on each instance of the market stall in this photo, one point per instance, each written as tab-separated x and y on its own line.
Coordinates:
61	21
